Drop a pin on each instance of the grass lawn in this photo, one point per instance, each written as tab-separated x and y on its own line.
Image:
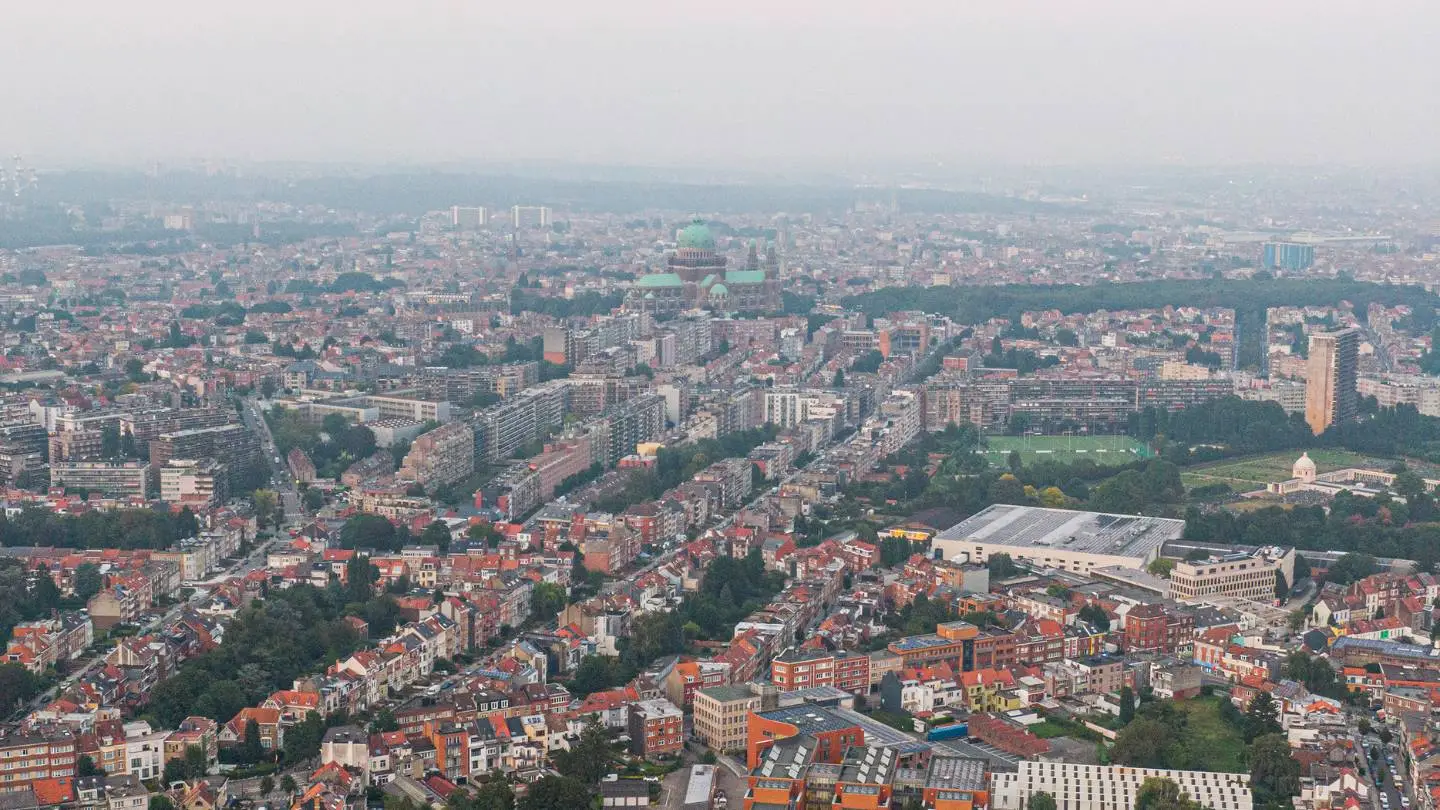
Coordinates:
1103	450
1218	745
1047	730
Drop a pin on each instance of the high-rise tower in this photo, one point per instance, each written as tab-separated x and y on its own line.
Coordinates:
1330	378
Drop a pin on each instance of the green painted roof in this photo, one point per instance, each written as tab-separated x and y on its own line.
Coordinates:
745	276
697	235
719	290
660	280
709	279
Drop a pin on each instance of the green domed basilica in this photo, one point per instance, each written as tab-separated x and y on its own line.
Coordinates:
696	278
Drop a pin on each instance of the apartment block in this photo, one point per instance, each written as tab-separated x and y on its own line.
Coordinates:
626	425
506	427
445	455
1103	787
194	482
25	758
656	727
234	443
114	479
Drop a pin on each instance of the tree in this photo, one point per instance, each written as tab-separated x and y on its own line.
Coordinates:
360	578
1052	498
589	759
495	794
556	793
197	764
547	600
110	440
1161	567
267	785
44	595
369	531
1142	744
85	766
1261	717
1364	726
313	499
1007	489
288	785
839	379
88	580
266	502
302	740
1296	620
1274	774
1158	793
1095	615
1127	705
161	802
1351	567
384	721
1002	566
1408	484
17	684
251	749
437	534
175	771
1040	800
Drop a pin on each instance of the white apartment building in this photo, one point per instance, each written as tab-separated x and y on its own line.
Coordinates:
1106	787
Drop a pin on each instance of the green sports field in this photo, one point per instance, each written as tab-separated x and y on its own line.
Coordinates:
1103	450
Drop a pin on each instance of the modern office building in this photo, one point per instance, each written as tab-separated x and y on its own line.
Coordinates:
1247	575
531	216
1330	378
463	216
1287	256
721	716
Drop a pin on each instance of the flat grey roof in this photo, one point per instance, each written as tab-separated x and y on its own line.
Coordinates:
1034	527
700	787
956	773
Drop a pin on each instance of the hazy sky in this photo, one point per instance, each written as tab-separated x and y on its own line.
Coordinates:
744	82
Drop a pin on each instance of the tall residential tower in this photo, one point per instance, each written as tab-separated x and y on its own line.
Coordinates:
1330	378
